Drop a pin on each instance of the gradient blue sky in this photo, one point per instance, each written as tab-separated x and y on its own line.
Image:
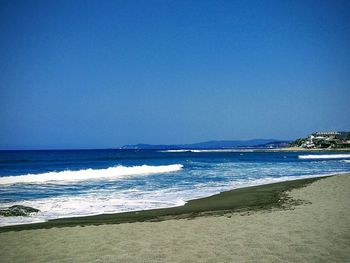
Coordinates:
96	74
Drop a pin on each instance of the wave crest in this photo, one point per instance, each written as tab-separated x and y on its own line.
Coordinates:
90	174
324	156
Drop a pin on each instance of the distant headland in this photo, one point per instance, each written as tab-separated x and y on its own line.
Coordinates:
331	140
227	144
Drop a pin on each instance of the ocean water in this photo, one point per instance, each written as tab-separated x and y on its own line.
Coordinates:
76	183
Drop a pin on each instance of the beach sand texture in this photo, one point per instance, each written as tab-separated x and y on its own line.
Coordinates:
318	230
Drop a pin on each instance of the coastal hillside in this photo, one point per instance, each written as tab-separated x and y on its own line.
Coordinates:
324	140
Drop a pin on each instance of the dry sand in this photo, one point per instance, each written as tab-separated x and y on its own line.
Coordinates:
316	231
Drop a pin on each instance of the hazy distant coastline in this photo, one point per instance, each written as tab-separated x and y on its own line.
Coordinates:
217	144
317	141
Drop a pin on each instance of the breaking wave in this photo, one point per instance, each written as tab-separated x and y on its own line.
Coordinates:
324	156
90	174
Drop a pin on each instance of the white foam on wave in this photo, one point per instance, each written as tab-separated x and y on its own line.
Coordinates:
94	203
90	174
324	156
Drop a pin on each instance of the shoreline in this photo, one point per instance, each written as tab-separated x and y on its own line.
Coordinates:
245	199
312	226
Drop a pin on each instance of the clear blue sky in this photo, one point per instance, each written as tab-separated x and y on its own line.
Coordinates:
96	74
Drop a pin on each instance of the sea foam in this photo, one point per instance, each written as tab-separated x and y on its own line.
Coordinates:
90	174
127	200
324	156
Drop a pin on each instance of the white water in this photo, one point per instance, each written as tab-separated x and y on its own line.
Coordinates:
90	174
127	200
324	156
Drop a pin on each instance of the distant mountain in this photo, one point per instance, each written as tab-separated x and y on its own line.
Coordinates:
260	143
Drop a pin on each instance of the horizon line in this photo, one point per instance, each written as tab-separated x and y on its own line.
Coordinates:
121	147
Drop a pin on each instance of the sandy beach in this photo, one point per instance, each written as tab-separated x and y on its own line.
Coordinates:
316	229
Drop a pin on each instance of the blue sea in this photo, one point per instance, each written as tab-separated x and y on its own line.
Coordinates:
88	182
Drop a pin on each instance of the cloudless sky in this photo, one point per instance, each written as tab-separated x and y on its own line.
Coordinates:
97	74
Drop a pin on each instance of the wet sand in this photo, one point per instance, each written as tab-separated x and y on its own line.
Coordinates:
313	227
